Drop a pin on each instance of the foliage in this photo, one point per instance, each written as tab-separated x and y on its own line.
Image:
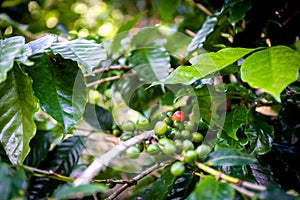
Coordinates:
75	72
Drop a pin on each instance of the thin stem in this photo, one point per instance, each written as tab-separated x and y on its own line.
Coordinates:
106	69
136	179
202	8
108	79
243	190
100	163
190	33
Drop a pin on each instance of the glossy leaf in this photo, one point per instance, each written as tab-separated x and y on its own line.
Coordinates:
61	160
68	191
9	49
86	52
212	189
238	11
98	117
205	64
272	69
206	29
167	9
148	38
36	46
229	157
39	147
169	186
59	85
150	64
234	120
18	105
274	192
130	24
13	182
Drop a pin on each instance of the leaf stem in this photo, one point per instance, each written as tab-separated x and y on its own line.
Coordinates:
202	8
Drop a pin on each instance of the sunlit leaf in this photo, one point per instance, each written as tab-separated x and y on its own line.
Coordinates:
18	105
86	52
272	69
9	49
59	85
229	157
167	9
212	189
205	64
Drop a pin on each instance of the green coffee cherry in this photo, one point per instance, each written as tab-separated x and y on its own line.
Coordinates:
177	168
116	132
185	133
203	150
132	152
163	141
187	145
160	128
168	120
173	134
169	148
126	136
189	125
178	144
197	137
142	123
190	156
162	116
153	149
128	125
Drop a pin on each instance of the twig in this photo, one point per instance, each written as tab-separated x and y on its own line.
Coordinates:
190	33
100	163
136	179
202	8
243	190
112	78
106	69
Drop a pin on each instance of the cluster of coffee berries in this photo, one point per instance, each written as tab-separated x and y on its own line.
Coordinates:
175	133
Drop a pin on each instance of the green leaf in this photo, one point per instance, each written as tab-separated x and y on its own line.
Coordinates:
60	87
68	191
167	9
272	69
238	10
86	52
234	120
36	46
13	182
205	64
206	29
9	49
98	117
148	38
18	105
260	135
130	24
229	157
150	64
212	189
169	186
274	192
61	160
40	146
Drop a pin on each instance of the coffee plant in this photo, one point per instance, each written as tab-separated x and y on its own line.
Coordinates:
189	100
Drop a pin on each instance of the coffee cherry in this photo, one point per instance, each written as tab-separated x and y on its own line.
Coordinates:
203	150
126	136
169	148
116	132
132	152
189	125
177	168
153	149
142	123
140	146
178	144
128	125
177	124
187	145
185	133
197	137
170	114
173	134
168	120
202	125
190	156
160	128
178	116
163	141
